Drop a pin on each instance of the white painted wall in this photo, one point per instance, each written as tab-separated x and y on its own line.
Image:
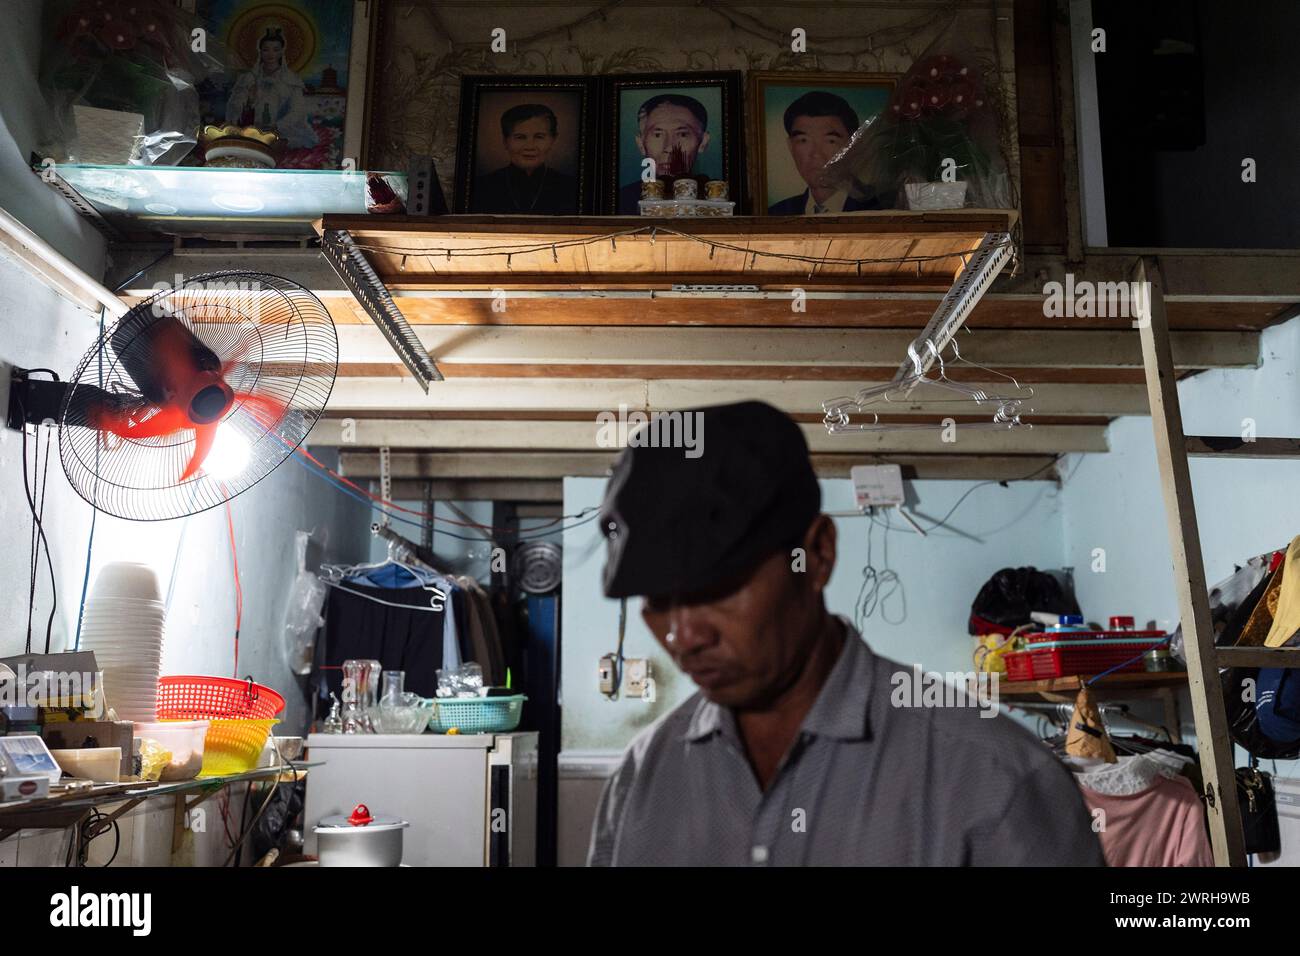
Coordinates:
39	329
941	573
1113	501
200	626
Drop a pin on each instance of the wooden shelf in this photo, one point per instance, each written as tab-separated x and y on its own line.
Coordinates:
671	251
1113	682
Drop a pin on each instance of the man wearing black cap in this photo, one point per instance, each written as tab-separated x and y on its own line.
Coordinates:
793	751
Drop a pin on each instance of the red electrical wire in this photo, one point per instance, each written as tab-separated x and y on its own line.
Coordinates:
239	590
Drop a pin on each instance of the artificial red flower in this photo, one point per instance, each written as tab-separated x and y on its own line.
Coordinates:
117	36
937	97
962	94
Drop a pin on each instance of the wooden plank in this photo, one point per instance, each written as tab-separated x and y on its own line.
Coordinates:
410	229
896	310
1064	685
817	348
1257	656
811	373
471	489
1213	743
652	271
363	464
595	435
602	394
1234	446
560	415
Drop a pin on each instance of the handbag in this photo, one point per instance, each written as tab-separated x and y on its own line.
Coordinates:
1258	810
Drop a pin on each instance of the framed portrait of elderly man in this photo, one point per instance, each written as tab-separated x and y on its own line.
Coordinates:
687	123
297	67
798	123
525	146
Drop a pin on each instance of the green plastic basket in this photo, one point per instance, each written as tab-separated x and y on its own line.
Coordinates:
477	715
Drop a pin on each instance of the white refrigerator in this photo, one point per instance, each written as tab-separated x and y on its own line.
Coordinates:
470	799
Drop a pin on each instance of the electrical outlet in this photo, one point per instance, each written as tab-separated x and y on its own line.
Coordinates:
606	674
636	671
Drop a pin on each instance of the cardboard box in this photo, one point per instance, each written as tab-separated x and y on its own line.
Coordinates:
50	681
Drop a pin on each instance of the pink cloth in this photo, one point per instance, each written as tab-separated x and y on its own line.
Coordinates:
1163	825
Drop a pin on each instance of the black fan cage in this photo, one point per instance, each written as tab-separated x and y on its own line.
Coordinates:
276	342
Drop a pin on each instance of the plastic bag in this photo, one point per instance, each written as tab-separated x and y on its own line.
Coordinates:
939	143
120	78
302	615
1008	598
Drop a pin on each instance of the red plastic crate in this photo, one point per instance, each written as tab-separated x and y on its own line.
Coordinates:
1071	654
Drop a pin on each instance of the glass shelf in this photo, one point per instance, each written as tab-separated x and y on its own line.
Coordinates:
137	790
198	200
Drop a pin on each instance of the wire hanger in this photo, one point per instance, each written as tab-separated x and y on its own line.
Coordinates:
335	575
840	412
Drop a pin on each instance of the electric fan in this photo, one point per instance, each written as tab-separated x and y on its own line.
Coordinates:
192	397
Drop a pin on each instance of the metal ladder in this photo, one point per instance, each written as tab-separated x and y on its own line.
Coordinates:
1203	659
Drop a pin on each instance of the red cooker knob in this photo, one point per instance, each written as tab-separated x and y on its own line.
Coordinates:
361	816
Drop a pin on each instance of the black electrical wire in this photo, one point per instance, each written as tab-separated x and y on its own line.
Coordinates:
89	829
270	795
40	515
40	527
1003	482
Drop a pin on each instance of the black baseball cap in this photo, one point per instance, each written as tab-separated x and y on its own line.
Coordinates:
678	525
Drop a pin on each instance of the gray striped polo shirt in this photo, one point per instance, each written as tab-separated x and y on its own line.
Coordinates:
865	783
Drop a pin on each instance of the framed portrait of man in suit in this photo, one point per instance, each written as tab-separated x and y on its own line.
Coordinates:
798	123
671	126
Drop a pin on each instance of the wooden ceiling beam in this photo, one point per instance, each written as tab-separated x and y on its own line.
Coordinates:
516	466
506	435
597	395
879	310
480	346
479	489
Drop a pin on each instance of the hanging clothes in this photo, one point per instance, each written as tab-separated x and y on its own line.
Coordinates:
1148	813
395	626
484	637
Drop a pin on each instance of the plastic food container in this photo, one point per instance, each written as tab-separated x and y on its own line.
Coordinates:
183	739
100	764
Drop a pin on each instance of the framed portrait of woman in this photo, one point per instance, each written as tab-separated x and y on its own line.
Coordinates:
298	68
798	123
525	146
688	124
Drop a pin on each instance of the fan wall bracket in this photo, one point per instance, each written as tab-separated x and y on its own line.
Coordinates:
34	401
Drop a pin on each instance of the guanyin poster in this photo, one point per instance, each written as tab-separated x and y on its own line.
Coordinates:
287	71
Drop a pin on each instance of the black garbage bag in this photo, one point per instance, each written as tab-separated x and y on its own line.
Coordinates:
1008	598
279	817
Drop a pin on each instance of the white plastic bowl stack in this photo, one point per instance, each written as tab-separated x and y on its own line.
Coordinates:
123	625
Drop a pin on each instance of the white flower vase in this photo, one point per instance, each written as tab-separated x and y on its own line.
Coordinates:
935	195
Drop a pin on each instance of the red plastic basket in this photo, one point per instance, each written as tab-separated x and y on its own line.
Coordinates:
1072	654
192	697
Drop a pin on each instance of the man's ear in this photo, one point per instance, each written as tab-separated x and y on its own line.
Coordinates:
819	543
704	143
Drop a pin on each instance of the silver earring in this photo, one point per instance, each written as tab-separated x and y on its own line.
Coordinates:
670	638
